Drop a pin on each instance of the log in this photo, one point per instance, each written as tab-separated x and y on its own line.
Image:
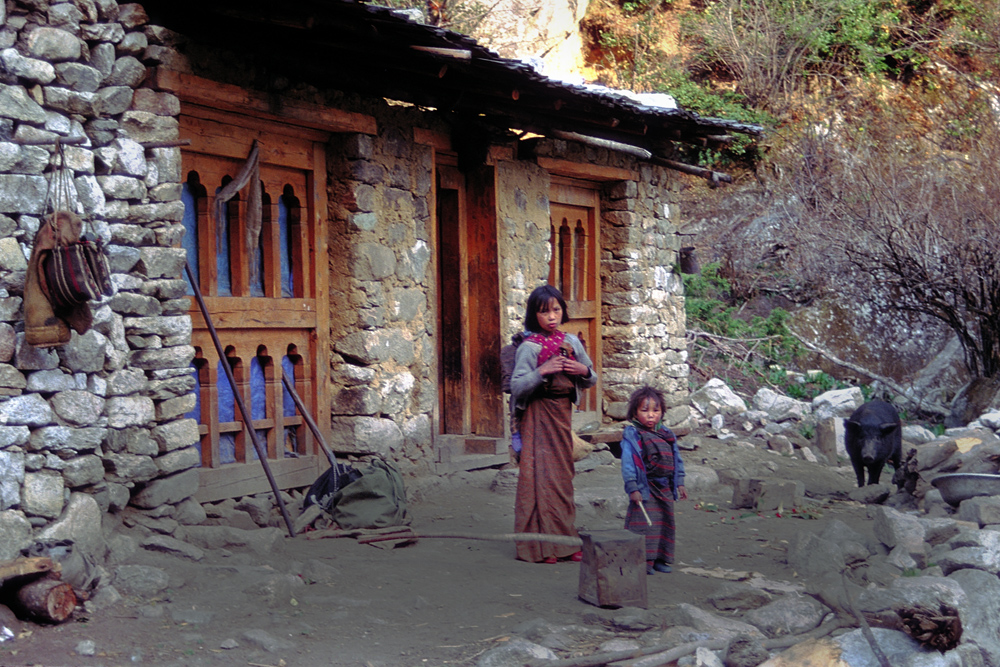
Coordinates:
48	600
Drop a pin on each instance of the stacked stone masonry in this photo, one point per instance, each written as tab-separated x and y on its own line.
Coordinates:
99	420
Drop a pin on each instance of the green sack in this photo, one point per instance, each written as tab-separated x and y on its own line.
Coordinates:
376	500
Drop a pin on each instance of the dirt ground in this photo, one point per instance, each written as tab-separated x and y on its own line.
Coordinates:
436	601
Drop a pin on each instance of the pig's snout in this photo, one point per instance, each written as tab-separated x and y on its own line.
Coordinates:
870	452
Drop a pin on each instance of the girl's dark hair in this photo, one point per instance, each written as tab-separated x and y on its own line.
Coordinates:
641	394
539	299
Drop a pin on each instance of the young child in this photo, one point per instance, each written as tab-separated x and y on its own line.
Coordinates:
548	369
654	476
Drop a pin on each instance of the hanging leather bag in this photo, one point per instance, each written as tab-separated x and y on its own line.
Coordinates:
76	272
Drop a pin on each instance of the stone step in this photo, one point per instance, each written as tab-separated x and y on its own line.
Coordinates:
466	462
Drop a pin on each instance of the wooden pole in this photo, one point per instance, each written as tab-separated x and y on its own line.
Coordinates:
247	421
308	417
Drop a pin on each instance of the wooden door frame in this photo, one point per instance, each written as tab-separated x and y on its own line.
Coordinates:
581	193
482	409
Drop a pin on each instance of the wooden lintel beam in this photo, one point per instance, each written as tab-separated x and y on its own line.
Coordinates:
197	90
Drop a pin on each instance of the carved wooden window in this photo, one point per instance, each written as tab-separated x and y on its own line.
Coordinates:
268	319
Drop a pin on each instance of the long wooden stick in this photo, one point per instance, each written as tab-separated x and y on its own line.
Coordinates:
567	540
309	421
247	421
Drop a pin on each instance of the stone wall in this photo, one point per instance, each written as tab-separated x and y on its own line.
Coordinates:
98	421
383	322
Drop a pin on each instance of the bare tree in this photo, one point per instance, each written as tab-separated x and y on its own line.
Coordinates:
908	228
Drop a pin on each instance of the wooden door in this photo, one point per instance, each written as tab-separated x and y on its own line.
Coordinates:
469	302
574	270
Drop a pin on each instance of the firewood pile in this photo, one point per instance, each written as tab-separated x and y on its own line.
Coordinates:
941	630
32	588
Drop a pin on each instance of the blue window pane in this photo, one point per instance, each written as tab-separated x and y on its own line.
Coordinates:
222	259
257	286
287	288
227	402
287	402
227	413
258	392
227	448
291	448
190	240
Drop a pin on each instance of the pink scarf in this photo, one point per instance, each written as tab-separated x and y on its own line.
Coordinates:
550	345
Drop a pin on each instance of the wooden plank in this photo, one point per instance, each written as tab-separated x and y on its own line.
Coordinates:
195	89
578	310
591	172
482	310
217	139
11	569
257	312
449	256
233	481
318	211
439	141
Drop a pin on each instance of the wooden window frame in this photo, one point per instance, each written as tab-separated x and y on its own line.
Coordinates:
222	120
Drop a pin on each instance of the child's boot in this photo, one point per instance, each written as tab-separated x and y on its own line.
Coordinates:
662	566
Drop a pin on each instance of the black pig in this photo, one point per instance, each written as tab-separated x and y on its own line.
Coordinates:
873	435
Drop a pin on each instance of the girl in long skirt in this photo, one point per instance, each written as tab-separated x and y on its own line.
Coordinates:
548	369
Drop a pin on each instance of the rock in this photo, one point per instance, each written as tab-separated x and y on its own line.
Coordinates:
981	615
717	626
976	558
15	534
42	494
259	508
811	555
982	510
515	653
274	591
78	523
837	403
852	650
788	615
716	397
140	580
172	489
190	616
261	541
778	407
733	596
917	434
830	440
892	527
265	640
172	546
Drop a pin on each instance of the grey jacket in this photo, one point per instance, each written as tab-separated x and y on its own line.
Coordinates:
526	379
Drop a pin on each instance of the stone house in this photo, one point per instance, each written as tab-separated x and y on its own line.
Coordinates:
414	187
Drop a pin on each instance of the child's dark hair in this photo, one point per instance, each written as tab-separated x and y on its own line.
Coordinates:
538	300
641	394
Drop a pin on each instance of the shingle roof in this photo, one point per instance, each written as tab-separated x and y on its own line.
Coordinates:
357	47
